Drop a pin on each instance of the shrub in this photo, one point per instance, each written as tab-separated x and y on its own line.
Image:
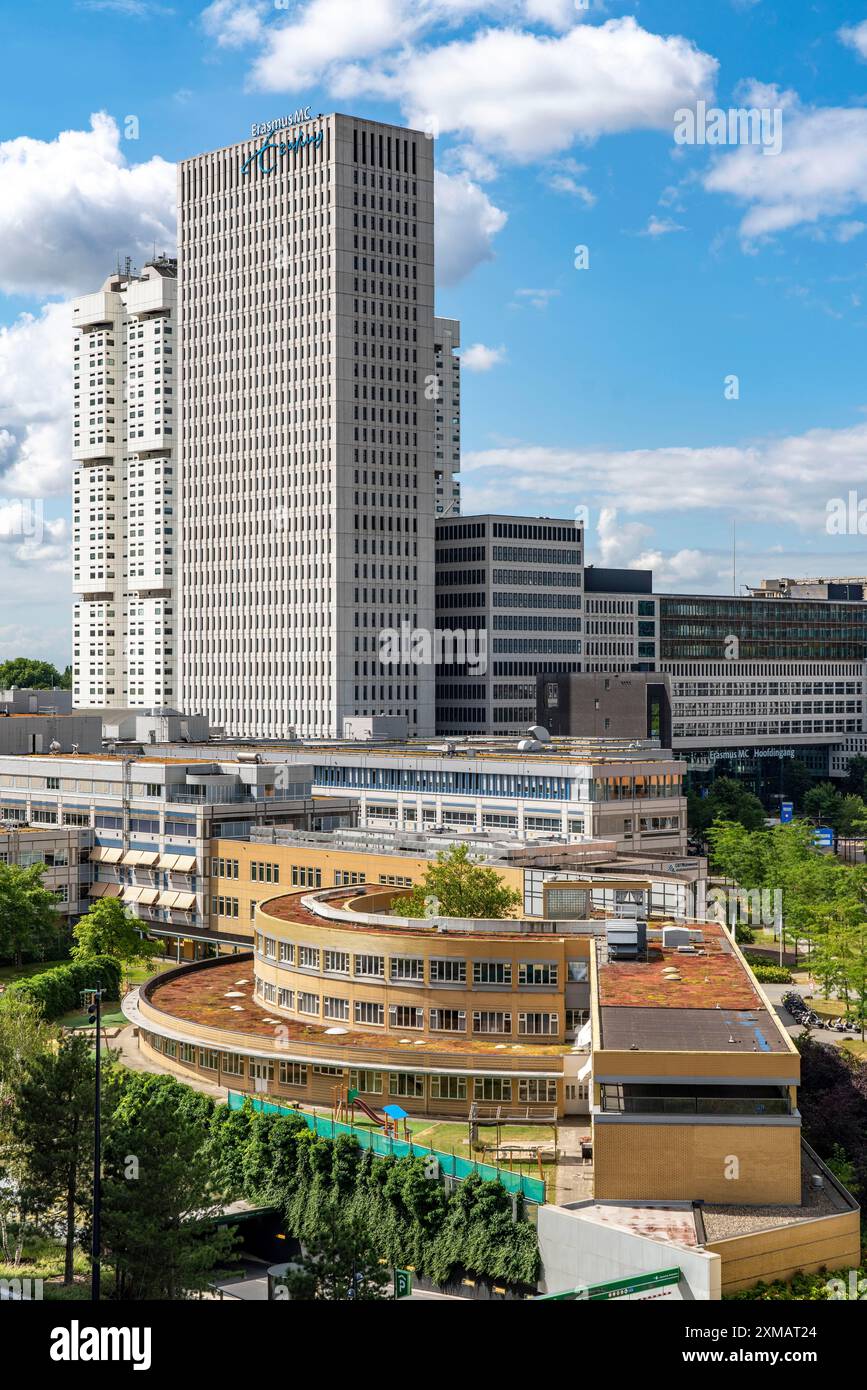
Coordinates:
767	973
58	991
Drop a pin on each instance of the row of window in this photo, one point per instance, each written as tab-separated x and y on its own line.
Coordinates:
409	1085
441	969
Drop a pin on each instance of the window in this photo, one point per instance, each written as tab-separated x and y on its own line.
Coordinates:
370	966
271	948
368	1082
538	972
233	1064
366	1012
407	968
448	1020
308	957
406	1083
405	1016
327	1071
491	1088
577	971
536	1025
209	1059
447	971
308	1003
287	953
533	1090
336	962
492	972
286	998
293	1074
333	1007
448	1088
491	1021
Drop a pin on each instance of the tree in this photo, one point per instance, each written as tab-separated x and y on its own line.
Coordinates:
856	775
727	800
30	674
28	911
108	929
339	1263
797	779
159	1193
456	885
822	804
24	1037
52	1123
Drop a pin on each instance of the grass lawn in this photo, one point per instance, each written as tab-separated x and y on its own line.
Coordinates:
43	1259
451	1136
111	1017
10	974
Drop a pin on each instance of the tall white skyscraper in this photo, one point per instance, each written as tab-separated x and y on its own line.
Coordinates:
447	339
308	425
125	430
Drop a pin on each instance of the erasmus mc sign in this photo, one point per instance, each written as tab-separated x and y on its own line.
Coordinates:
268	155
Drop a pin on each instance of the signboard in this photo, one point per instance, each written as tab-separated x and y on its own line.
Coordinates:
787	811
660	1283
823	837
402	1283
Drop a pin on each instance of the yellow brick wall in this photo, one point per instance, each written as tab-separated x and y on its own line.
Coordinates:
832	1242
689	1161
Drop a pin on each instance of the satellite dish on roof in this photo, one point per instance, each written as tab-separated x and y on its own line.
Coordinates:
539	732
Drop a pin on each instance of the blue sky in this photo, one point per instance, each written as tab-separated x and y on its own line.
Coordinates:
602	387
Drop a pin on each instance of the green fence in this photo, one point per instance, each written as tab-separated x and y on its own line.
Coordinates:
532	1189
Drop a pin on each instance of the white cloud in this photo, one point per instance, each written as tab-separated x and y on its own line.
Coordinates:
820	172
772	482
855	36
537	299
660	226
525	95
516	93
466	224
479	358
234	23
564	177
35	402
70	204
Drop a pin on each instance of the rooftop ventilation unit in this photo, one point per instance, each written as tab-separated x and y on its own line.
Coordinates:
626	940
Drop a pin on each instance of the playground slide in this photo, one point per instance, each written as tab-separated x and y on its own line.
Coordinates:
371	1114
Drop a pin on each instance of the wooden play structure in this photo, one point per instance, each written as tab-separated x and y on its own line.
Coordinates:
497	1117
347	1101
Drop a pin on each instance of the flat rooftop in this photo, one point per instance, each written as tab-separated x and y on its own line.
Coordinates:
721	1222
221	996
705	1001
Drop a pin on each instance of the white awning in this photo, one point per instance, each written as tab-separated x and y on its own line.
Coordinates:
112	856
585	1035
586	1069
132	894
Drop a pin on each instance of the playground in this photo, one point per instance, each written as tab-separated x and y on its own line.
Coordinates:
518	1144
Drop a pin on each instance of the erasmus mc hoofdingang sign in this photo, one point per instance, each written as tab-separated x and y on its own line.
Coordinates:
267	157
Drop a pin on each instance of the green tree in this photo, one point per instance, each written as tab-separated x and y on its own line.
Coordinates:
28	911
823	804
339	1263
108	929
727	800
159	1191
856	775
24	1037
456	885
30	674
52	1124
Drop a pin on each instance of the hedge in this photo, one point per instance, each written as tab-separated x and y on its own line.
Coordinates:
58	991
409	1217
766	972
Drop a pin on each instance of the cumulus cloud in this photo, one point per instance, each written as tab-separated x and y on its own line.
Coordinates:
479	358
466	222
855	36
35	403
71	203
514	91
661	226
820	172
